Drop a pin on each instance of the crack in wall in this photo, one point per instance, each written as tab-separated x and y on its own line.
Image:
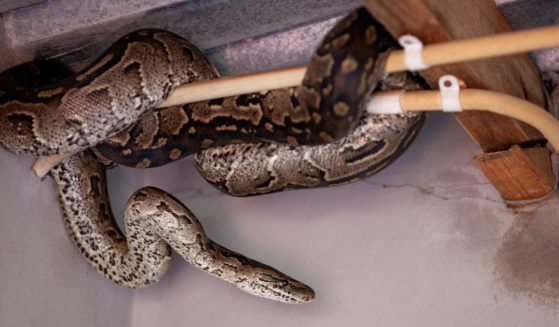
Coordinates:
432	190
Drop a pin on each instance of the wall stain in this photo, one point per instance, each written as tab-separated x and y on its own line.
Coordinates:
527	263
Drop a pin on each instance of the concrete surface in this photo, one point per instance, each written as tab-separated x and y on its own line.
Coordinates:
70	32
427	242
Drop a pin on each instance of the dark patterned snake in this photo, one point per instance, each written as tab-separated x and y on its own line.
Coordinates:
244	145
259	168
154	222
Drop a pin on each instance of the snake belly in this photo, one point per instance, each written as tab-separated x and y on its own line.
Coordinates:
155	222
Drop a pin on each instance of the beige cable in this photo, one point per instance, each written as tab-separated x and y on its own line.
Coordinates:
499	103
496	102
435	54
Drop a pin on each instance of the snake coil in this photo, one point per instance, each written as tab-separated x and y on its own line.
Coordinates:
244	145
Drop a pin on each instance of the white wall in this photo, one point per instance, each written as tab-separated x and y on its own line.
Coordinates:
427	242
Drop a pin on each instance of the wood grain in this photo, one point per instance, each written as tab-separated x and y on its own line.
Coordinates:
519	174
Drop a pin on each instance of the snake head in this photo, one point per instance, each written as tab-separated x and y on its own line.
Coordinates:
274	285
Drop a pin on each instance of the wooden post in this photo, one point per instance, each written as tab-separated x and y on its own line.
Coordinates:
530	168
435	21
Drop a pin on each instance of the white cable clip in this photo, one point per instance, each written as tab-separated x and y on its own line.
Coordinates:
450	93
387	103
413	52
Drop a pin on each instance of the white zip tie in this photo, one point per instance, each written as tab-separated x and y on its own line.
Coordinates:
413	52
387	103
450	93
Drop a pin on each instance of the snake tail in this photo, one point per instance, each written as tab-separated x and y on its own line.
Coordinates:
155	222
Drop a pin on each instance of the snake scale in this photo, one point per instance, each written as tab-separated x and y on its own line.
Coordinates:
155	222
244	145
260	168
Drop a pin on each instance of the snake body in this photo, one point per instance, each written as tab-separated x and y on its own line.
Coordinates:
154	222
346	66
260	168
107	105
109	95
143	68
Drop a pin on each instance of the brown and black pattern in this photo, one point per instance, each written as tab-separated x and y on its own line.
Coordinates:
259	168
169	134
86	108
345	68
144	67
115	92
155	222
81	110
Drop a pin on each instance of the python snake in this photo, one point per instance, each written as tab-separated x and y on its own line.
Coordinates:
154	222
108	104
260	168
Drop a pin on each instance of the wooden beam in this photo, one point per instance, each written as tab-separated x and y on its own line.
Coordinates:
519	174
436	21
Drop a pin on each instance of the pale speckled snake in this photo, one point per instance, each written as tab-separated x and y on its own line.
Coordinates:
108	106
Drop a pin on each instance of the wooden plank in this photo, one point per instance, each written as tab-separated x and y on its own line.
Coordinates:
7	5
519	174
436	21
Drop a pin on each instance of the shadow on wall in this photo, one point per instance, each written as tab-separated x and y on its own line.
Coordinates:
527	263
